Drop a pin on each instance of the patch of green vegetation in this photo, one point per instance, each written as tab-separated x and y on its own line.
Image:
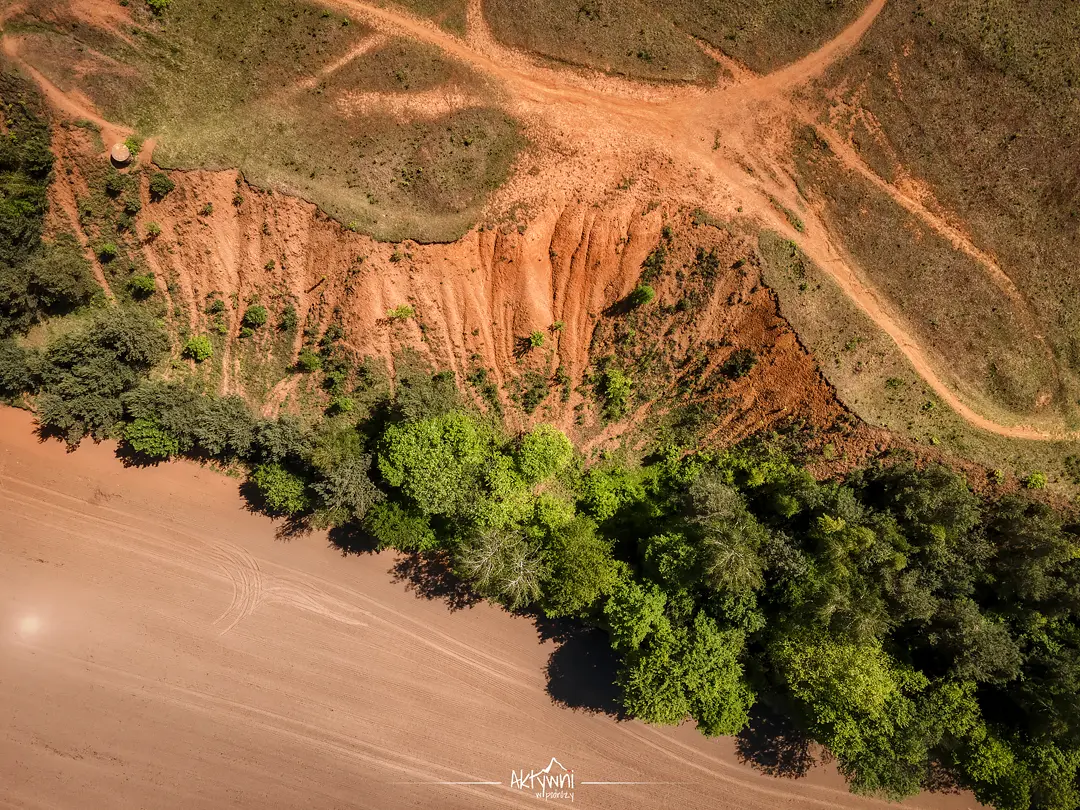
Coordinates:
255	316
402	312
36	279
308	361
614	389
142	287
739	364
161	185
641	295
198	348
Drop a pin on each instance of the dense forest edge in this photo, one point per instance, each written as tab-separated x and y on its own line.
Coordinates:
926	637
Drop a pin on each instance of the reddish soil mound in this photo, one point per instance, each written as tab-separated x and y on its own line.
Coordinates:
477	299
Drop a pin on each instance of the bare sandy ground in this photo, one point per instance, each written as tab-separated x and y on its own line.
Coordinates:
160	649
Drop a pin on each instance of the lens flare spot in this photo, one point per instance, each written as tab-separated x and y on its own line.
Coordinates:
29	625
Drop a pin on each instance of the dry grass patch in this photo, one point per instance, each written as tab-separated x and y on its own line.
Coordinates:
978	103
874	379
277	71
981	341
653	40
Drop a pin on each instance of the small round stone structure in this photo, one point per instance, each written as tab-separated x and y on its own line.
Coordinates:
120	154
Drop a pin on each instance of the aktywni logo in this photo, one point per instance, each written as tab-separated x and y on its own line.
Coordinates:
552	782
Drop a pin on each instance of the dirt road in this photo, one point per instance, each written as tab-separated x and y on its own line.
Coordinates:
160	649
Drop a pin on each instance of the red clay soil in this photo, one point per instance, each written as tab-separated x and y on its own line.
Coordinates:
476	299
159	649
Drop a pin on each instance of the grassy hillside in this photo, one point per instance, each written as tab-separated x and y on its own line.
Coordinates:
324	108
651	40
973	107
874	379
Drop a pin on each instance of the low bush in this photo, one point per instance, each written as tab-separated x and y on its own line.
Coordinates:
614	388
643	294
254	316
289	319
739	363
142	287
308	361
160	186
199	348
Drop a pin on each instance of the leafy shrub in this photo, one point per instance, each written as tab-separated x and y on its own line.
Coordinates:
153	230
582	568
397	527
86	371
108	251
402	312
339	405
543	452
206	210
25	166
160	186
605	490
308	361
289	319
199	348
17	368
284	492
159	7
115	183
739	363
255	316
615	387
147	438
58	277
142	287
536	339
643	294
215	307
1035	480
436	462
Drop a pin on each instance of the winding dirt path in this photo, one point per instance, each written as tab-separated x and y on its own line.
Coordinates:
721	131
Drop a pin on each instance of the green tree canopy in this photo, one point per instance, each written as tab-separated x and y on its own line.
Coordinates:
436	462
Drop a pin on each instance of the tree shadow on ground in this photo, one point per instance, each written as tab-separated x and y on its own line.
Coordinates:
352	539
581	671
941	779
429	576
774	745
130	457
